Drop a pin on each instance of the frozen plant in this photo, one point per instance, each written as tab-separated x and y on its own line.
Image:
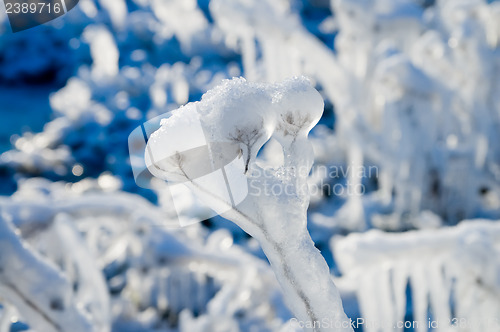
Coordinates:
31	284
451	276
128	272
237	118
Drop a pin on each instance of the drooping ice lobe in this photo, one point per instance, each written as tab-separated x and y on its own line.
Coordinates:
298	109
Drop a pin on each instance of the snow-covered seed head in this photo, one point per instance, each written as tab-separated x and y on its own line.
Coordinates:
299	107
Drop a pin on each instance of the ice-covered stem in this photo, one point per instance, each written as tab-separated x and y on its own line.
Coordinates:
237	118
303	275
36	287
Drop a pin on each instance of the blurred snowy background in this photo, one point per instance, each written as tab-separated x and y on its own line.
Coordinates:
411	89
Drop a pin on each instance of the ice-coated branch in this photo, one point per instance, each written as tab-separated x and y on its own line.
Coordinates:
236	119
36	288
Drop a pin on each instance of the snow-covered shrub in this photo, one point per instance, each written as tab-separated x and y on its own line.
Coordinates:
449	277
127	66
403	72
424	109
43	295
57	238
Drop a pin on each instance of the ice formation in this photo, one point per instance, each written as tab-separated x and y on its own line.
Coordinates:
247	115
454	273
186	279
43	294
413	89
